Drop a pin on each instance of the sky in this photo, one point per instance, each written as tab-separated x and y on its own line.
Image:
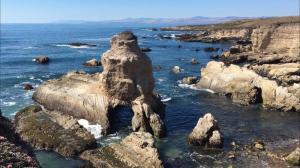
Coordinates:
44	11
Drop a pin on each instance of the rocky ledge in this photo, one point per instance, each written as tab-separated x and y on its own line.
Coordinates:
126	80
135	150
13	152
52	130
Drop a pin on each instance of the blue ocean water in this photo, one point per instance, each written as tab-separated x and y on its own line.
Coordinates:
20	43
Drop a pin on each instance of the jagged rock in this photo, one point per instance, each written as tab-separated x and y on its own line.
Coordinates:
146	49
206	133
189	80
294	157
246	87
194	61
135	150
126	80
92	62
43	129
41	59
215	56
28	87
13	152
77	44
176	69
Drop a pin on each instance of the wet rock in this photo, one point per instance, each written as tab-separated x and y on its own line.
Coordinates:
41	59
194	61
126	80
92	62
135	150
176	69
234	50
294	157
28	87
146	49
14	152
211	49
157	68
215	56
77	44
206	133
189	80
43	129
154	29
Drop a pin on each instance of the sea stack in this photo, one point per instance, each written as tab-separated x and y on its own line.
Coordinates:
126	80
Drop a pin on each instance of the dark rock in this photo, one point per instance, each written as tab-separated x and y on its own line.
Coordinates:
146	49
179	46
77	44
28	87
41	59
52	131
154	29
211	49
244	42
194	61
189	80
234	50
215	56
157	68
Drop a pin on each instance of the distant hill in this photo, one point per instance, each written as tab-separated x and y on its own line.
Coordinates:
198	20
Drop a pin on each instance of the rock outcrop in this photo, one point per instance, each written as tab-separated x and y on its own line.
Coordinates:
13	152
92	63
42	59
294	157
246	87
126	80
206	133
43	129
135	150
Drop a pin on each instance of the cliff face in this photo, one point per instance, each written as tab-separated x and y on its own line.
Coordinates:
230	34
282	39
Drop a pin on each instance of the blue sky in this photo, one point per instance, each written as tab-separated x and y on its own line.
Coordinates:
42	11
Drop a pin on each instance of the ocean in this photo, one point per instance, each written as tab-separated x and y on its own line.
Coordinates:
20	43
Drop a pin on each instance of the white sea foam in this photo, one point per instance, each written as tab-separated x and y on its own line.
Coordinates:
8	104
30	47
71	46
93	129
194	87
166	99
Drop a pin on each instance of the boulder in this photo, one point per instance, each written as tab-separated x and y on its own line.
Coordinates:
92	62
28	87
176	69
194	61
43	129
41	59
126	80
189	80
294	157
210	49
206	133
146	49
135	150
246	87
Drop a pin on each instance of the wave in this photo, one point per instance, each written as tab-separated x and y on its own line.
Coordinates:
8	104
194	88
28	48
95	130
72	46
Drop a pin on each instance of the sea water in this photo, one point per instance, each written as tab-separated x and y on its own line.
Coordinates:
20	43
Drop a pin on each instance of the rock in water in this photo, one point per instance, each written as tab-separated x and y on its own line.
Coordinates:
146	49
294	157
189	80
126	80
135	150
41	59
28	87
52	131
206	133
176	69
92	62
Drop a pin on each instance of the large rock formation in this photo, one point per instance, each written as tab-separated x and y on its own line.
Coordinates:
206	133
43	129
246	87
126	80
13	152
136	150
